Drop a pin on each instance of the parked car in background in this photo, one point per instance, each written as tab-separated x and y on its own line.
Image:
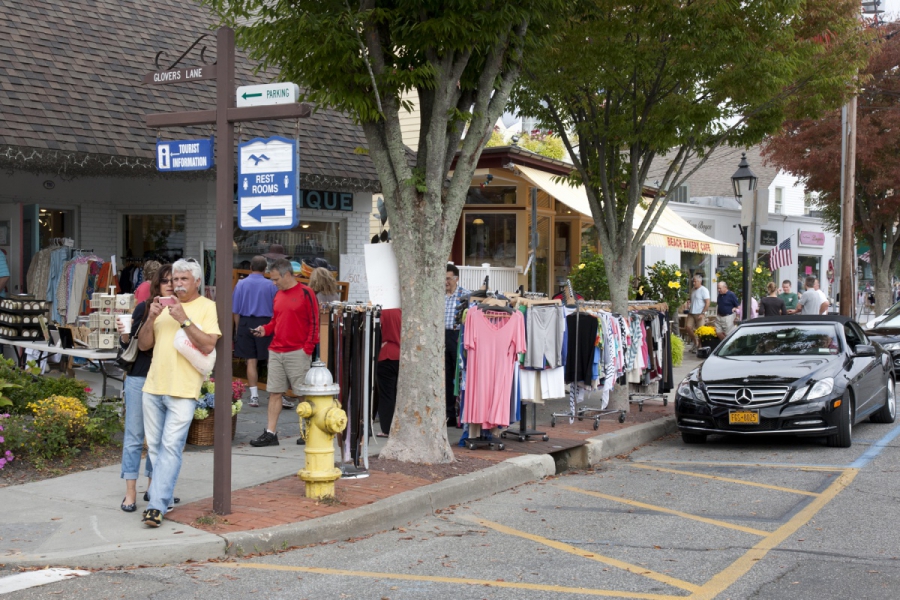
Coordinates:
799	375
893	311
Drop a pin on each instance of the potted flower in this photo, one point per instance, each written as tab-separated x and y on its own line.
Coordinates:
707	336
202	427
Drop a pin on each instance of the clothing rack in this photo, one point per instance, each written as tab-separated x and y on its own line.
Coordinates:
574	411
353	331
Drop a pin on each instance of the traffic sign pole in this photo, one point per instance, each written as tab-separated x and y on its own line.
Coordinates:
224	117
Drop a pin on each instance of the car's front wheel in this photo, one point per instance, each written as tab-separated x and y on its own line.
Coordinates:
693	438
888	412
842	439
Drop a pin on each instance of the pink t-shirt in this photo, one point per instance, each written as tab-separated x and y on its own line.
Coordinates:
142	292
492	352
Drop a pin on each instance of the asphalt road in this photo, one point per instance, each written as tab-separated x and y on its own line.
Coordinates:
763	518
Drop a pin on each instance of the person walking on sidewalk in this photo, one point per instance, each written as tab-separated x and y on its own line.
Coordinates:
295	325
726	305
173	384
697	306
252	303
133	441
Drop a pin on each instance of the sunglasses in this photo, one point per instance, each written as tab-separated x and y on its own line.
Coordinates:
165	281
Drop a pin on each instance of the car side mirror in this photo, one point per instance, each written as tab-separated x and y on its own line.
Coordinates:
703	352
864	350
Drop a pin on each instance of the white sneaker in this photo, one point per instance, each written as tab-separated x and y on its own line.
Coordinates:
254	401
286	405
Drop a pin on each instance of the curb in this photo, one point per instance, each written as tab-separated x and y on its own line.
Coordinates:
395	511
597	449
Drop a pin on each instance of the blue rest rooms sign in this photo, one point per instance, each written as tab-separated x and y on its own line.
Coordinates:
185	155
267	184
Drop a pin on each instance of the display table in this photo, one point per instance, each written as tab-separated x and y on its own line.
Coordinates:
96	357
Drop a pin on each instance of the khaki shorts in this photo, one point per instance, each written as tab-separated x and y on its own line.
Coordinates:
287	369
724	324
694	322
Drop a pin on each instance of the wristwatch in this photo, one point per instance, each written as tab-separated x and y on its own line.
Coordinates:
187	323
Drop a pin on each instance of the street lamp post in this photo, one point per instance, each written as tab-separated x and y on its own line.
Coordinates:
744	183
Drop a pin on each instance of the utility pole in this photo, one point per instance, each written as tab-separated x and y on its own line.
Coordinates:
848	177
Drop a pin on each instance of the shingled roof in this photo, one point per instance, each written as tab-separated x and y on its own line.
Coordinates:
713	178
71	98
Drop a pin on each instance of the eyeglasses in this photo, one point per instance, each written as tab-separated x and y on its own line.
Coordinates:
165	281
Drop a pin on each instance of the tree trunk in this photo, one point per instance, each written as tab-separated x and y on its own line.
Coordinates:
418	433
882	274
618	273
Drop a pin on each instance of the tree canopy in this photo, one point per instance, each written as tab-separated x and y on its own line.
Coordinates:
811	149
636	80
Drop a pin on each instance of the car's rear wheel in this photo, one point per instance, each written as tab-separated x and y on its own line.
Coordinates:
693	438
843	437
888	412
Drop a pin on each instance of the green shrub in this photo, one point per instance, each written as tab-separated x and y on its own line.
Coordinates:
667	283
733	276
104	422
677	350
33	388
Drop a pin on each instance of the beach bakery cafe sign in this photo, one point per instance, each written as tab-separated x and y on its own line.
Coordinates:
688	245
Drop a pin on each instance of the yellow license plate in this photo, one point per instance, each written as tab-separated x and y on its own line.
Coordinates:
743	417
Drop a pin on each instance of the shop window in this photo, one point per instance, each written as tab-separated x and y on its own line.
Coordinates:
490	239
541	264
55	224
489	194
562	258
307	241
695	263
154	236
807	266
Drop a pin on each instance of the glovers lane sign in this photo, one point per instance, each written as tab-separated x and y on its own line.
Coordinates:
267	184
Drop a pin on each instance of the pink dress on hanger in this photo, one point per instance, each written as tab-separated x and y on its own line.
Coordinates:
492	354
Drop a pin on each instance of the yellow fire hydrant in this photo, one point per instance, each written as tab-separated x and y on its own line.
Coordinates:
320	418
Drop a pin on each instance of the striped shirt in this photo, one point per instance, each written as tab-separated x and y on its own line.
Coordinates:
450	303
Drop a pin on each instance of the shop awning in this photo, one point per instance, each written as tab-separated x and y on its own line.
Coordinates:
671	230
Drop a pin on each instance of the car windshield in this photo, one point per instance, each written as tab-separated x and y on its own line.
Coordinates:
761	340
892	320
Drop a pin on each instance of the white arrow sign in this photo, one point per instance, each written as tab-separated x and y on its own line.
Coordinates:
268	93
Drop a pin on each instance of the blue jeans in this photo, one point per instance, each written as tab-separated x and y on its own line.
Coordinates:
166	423
133	444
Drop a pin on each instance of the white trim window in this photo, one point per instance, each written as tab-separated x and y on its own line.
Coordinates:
779	201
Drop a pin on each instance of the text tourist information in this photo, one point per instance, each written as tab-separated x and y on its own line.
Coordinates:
185	155
267	184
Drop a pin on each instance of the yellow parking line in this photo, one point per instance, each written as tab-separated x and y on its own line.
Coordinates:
635	569
452	580
743	464
726	479
725	578
669	511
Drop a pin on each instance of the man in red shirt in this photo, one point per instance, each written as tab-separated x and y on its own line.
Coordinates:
295	325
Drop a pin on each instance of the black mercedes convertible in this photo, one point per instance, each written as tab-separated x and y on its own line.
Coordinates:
794	375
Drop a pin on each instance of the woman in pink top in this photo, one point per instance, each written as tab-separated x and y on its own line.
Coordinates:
142	292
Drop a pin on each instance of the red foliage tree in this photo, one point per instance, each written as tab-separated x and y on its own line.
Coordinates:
811	150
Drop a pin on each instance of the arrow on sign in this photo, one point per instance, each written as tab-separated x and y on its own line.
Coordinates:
245	95
259	212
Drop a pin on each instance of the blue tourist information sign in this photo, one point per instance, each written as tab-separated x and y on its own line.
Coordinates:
267	184
185	155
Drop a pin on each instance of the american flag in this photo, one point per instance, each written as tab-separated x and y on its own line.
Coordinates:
781	256
865	256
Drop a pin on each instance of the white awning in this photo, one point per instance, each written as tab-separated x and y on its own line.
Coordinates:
671	230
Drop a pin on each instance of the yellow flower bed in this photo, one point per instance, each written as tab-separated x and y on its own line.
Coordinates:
57	408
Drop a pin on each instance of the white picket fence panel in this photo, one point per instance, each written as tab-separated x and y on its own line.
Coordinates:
505	279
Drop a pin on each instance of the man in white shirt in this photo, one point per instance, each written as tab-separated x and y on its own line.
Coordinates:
824	309
696	306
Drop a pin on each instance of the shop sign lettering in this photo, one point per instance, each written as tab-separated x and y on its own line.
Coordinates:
812	238
689	245
319	200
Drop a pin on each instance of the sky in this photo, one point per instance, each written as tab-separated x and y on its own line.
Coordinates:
891	9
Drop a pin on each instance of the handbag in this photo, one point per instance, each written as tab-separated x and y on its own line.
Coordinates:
204	363
130	354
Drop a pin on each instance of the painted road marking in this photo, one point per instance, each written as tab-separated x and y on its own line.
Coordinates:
30	579
728	576
668	511
634	569
875	449
728	479
715	463
539	587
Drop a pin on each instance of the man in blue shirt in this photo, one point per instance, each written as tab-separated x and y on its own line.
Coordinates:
252	302
726	305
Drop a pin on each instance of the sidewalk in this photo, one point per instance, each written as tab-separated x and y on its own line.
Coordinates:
75	520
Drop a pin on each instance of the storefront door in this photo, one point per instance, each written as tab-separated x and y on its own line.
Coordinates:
807	266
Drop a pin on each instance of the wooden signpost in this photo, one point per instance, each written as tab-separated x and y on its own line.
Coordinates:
224	116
